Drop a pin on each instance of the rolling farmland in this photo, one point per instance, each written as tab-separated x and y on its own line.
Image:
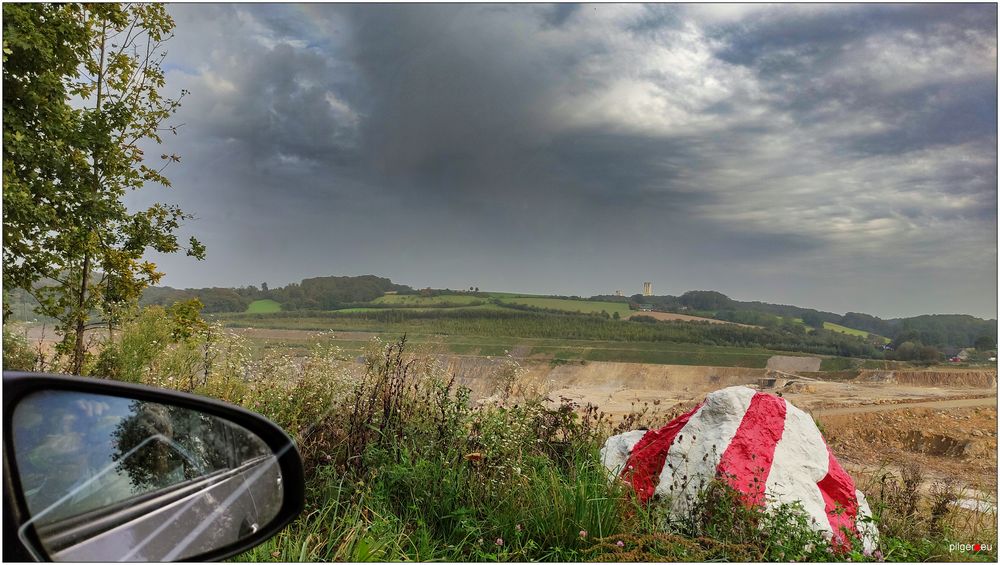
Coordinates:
413	300
265	306
850	331
567	305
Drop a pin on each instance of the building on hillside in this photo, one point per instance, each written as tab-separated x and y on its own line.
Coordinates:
647	289
619	293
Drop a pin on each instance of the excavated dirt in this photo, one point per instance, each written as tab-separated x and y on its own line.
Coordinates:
618	388
959	443
943	420
793	364
974	379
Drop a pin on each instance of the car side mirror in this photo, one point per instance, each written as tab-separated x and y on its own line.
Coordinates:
98	470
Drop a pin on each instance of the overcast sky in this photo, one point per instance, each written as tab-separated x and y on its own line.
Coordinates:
842	157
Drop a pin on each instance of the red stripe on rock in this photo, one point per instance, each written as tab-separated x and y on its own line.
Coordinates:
746	463
838	492
648	456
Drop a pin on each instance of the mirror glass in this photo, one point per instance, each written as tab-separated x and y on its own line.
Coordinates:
107	478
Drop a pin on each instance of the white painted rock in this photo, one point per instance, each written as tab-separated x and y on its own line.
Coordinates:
764	447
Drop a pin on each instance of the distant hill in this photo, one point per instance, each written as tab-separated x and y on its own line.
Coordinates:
318	293
946	331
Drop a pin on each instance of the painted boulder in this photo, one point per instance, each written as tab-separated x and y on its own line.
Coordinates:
767	449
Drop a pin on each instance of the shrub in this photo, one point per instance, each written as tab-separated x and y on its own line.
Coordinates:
402	465
915	526
17	353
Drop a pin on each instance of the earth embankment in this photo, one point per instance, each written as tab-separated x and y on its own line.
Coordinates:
614	387
956	378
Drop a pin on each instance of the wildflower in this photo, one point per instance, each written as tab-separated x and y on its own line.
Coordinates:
878	555
499	541
583	533
620	543
518	527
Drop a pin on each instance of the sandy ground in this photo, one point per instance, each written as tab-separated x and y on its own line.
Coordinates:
41	333
793	363
930	404
947	443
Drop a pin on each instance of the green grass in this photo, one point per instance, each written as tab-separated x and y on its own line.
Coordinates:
664	353
401	465
687	342
265	306
458	301
446	300
584	306
563	349
844	329
513	295
654	353
850	331
419	309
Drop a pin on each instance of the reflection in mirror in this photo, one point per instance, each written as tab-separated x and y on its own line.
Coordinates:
116	479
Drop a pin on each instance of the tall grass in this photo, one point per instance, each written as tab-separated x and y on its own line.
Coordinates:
402	465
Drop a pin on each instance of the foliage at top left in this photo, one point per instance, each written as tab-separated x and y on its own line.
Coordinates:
82	103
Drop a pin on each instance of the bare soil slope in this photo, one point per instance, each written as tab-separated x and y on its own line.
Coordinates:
793	364
976	379
947	442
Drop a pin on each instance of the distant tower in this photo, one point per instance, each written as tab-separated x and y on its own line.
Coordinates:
647	289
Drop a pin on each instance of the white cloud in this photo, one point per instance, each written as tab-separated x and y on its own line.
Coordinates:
343	114
264	35
660	84
905	60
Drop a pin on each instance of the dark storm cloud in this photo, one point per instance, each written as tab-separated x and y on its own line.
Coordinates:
559	13
447	87
704	146
820	31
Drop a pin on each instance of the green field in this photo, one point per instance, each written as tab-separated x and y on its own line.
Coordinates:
424	309
446	300
266	306
584	306
850	331
844	329
554	349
